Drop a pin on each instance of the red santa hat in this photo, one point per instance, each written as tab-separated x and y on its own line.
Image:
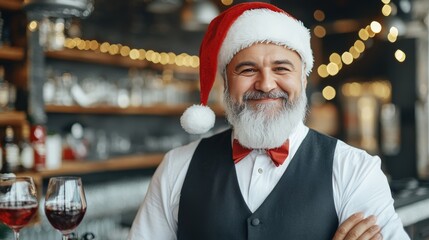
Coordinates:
233	30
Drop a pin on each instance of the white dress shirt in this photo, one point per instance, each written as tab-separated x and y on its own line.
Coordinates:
358	185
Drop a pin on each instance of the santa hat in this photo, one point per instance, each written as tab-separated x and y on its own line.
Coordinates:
237	28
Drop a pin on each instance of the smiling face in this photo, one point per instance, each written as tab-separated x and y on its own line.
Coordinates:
264	68
265	95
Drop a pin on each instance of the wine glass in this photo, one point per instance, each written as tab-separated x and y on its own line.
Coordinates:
18	202
65	204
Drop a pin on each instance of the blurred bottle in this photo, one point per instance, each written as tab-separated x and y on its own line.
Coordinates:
12	97
38	142
4	91
26	150
10	152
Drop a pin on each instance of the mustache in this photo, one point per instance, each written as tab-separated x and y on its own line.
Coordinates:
257	95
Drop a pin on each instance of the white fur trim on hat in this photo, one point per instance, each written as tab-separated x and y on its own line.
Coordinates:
264	25
197	119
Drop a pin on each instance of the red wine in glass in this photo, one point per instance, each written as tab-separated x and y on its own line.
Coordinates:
65	204
18	202
64	219
16	215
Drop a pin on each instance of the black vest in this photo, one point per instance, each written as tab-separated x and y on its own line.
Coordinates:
300	207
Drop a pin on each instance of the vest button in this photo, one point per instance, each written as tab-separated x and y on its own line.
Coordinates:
256	221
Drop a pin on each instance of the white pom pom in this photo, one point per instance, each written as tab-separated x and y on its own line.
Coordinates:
197	119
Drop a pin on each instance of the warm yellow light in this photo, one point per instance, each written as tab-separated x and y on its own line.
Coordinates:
385	1
81	45
93	45
332	69
394	31
345	89
32	26
355	89
370	32
70	43
322	71
156	57
104	47
392	38
87	45
149	54
179	60
125	51
360	46
329	93
113	49
386	10
142	54
400	55
319	15
363	34
355	53
172	58
381	89
335	58
134	54
375	26
164	58
187	60
195	62
227	2
319	31
347	58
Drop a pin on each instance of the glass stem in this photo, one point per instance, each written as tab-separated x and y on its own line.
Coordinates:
65	237
16	233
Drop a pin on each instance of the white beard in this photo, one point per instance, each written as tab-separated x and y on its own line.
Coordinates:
267	125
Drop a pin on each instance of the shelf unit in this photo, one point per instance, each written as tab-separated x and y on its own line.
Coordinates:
13	118
113	164
11	5
159	110
85	167
13	58
8	53
90	56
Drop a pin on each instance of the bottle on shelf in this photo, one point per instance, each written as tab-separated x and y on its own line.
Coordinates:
10	152
38	142
4	91
26	150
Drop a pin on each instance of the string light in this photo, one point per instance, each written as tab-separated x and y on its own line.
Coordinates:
163	58
370	31
336	60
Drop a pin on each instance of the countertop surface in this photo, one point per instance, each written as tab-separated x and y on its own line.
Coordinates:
412	203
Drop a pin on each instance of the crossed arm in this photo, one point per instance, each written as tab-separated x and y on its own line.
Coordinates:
356	227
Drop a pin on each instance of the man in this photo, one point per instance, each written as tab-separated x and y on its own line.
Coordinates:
270	177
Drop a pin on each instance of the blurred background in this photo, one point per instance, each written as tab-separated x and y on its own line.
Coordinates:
95	88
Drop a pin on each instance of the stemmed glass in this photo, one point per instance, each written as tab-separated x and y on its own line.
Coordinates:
18	202
65	204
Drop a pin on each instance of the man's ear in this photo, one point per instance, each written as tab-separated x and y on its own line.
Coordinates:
304	83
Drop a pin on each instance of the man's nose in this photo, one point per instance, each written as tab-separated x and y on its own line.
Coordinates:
266	82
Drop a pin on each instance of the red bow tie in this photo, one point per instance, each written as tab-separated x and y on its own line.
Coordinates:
278	155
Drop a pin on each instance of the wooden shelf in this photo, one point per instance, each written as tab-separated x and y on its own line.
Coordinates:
161	110
113	164
13	5
11	53
89	56
12	118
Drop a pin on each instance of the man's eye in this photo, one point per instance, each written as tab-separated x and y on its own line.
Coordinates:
281	69
247	71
